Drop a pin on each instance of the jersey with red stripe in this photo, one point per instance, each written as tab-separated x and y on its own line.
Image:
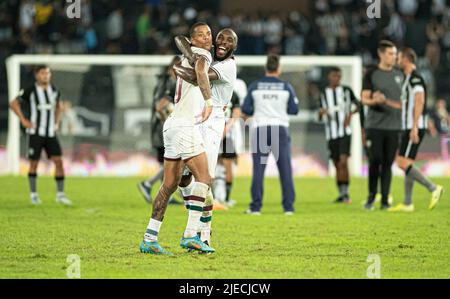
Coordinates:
189	100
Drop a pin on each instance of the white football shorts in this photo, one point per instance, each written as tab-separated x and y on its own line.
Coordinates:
182	143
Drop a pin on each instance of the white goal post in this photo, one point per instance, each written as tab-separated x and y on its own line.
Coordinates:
352	76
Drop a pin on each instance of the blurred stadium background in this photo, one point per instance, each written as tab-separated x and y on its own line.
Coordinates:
106	124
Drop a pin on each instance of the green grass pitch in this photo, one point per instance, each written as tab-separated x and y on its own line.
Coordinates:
322	240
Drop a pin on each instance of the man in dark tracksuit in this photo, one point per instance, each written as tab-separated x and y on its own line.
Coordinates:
270	101
382	93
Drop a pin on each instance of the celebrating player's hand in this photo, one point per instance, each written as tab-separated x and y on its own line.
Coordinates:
414	135
193	59
206	113
26	123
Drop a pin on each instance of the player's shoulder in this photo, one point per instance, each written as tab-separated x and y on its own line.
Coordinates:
346	88
25	92
260	83
228	61
371	69
227	64
288	86
369	73
54	88
253	84
416	78
202	52
29	88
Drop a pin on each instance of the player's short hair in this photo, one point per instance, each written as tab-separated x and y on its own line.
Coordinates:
232	33
334	69
384	44
193	27
40	67
410	54
273	62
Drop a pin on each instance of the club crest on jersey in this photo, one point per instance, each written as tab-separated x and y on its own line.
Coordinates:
398	80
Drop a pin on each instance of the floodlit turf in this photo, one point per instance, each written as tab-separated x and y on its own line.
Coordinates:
322	240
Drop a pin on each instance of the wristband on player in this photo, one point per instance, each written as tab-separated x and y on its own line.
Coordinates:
209	102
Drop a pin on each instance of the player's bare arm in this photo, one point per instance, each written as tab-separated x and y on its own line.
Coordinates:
204	85
419	103
161	106
189	75
15	106
58	111
382	100
183	44
348	117
202	78
322	112
368	98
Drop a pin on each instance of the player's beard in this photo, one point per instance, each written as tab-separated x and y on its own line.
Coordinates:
229	54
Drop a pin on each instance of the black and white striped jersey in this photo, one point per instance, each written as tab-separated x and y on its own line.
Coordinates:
413	84
39	106
338	102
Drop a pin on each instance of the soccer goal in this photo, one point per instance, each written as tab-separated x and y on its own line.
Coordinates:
105	126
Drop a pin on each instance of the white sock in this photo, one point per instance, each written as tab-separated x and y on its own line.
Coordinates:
196	202
187	191
151	234
33	194
60	194
219	184
206	219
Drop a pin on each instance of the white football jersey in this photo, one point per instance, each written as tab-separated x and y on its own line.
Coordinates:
188	98
222	89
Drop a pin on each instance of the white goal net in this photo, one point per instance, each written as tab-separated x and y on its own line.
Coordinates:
105	127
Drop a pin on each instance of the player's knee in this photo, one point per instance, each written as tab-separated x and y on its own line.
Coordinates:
342	162
33	166
402	162
185	180
399	162
170	185
205	179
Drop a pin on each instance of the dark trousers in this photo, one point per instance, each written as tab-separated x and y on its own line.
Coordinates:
275	140
382	147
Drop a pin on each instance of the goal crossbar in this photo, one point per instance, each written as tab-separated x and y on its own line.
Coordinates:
14	62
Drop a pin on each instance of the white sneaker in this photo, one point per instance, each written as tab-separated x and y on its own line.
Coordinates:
230	203
378	198
35	200
62	199
250	212
289	213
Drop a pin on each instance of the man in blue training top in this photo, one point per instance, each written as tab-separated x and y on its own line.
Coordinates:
270	101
